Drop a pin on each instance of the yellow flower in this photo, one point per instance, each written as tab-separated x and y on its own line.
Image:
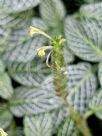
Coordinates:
34	30
62	40
41	51
2	133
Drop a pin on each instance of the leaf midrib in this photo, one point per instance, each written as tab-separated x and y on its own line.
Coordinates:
76	88
87	41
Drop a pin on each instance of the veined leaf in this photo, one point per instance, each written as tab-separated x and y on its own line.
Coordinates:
13	40
3	38
27	101
68	128
52	12
29	74
39	23
12	6
21	47
17	37
1	66
6	90
96	104
14	21
92	11
5	116
20	35
47	84
58	117
84	38
24	52
82	85
39	125
68	55
100	73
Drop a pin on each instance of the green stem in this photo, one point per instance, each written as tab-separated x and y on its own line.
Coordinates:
80	122
60	82
88	114
12	127
92	111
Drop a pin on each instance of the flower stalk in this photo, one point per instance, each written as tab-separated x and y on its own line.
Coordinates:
58	67
60	80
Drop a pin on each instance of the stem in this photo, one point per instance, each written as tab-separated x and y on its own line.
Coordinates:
88	114
60	82
92	111
80	122
12	127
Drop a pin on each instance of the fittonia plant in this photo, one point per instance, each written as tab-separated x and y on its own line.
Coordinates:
50	84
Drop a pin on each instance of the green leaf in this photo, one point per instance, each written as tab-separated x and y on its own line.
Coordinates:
21	47
100	73
1	66
16	131
96	104
58	117
17	36
84	38
52	12
39	23
9	21
3	39
6	89
82	85
12	6
24	52
29	74
68	128
68	55
39	125
5	116
92	11
27	101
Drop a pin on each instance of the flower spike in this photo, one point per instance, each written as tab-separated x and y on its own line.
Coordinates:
34	30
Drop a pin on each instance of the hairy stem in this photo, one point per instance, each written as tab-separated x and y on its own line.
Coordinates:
60	82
